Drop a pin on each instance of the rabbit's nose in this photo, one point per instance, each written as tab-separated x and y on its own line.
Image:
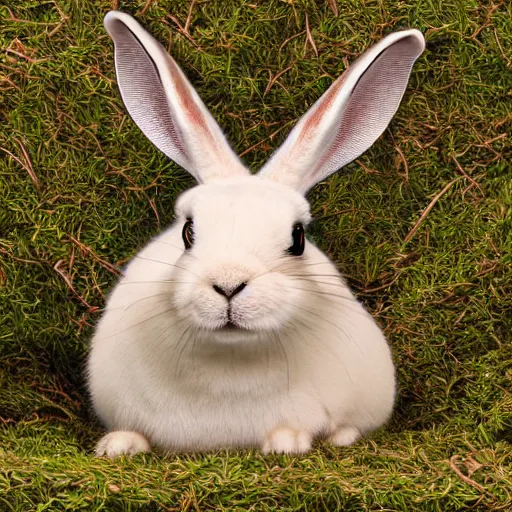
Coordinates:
229	292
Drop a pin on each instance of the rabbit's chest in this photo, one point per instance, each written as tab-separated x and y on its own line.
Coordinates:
205	412
231	401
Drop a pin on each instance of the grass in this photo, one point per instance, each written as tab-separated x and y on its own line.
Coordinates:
81	190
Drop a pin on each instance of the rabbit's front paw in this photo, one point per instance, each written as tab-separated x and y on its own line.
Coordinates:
344	436
287	440
121	443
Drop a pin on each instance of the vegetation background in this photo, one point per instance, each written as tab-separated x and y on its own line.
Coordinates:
420	225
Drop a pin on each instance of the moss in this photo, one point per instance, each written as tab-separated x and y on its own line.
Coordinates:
81	190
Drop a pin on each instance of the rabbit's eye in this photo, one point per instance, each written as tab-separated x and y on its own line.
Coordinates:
299	240
188	233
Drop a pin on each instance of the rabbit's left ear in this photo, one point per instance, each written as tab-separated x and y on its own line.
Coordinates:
165	106
350	116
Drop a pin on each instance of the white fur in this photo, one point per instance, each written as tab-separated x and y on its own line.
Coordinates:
305	360
313	360
287	440
122	443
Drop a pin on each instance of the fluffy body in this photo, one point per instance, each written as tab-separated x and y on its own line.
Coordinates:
308	358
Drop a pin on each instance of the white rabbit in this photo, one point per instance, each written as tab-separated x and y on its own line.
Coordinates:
230	329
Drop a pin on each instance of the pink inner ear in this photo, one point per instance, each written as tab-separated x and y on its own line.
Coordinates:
313	120
190	108
165	106
350	116
143	95
371	106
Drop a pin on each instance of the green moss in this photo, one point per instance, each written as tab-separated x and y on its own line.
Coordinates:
93	190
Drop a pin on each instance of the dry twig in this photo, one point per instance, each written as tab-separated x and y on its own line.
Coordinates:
309	36
26	164
67	280
111	268
462	476
426	211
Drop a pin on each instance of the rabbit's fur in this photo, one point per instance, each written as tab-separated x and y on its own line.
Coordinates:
218	336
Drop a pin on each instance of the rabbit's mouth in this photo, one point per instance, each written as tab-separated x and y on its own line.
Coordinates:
231	333
231	326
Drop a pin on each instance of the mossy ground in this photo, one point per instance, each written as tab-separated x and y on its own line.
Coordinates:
81	190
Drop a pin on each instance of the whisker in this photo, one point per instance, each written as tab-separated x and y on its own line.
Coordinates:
153	353
338	357
299	266
167	310
166	263
327	262
146	298
131	326
283	349
309	311
336	276
170	245
126	307
183	343
164	281
349	299
181	249
315	281
305	336
306	277
284	272
299	262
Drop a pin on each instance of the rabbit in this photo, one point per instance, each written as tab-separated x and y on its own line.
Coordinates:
230	329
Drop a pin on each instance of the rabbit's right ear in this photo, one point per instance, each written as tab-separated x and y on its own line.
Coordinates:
164	105
350	116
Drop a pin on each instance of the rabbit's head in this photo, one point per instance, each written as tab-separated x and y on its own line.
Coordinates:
241	235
